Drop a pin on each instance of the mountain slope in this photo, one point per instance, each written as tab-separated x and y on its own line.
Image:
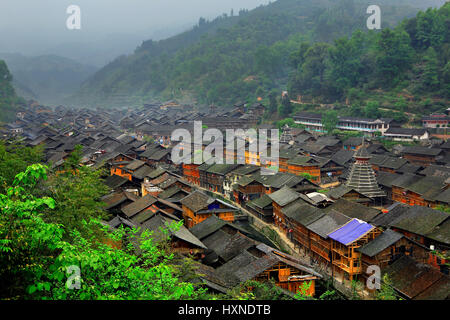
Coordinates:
232	58
383	74
8	98
48	78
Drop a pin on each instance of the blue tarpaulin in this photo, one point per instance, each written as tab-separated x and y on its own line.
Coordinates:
351	232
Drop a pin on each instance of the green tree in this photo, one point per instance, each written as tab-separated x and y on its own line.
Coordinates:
372	110
273	104
285	107
431	70
15	158
330	121
34	257
386	292
394	55
78	198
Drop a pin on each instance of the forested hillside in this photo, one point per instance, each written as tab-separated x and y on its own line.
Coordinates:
48	78
8	98
405	69
234	57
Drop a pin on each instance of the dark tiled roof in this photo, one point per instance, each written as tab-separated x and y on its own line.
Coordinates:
353	141
421	151
420	220
409	168
441	233
114	199
444	197
284	196
142	172
411	278
303	161
141	204
302	212
158	222
385	240
342	157
354	210
385	179
134	165
436	171
169	193
197	201
261	202
328	223
156	173
228	246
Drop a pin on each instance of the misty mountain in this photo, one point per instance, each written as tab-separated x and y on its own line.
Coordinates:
47	78
232	57
9	101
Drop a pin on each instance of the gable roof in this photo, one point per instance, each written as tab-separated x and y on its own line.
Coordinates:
302	212
420	220
142	172
412	279
354	210
141	204
421	150
116	198
380	243
157	222
284	196
261	202
197	201
328	223
134	165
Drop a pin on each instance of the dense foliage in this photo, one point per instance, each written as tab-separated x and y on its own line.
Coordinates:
9	101
233	57
37	263
410	61
15	158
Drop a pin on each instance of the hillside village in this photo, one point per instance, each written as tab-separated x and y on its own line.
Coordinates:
338	206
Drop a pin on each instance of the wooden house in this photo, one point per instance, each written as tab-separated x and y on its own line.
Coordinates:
320	244
281	199
413	280
198	207
348	193
424	226
232	177
240	258
346	240
298	215
416	190
248	188
114	202
191	173
387	248
353	143
305	164
421	155
215	176
262	208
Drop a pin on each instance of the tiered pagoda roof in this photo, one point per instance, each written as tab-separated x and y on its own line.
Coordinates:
362	177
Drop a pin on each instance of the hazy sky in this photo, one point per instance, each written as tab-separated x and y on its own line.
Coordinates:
29	26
